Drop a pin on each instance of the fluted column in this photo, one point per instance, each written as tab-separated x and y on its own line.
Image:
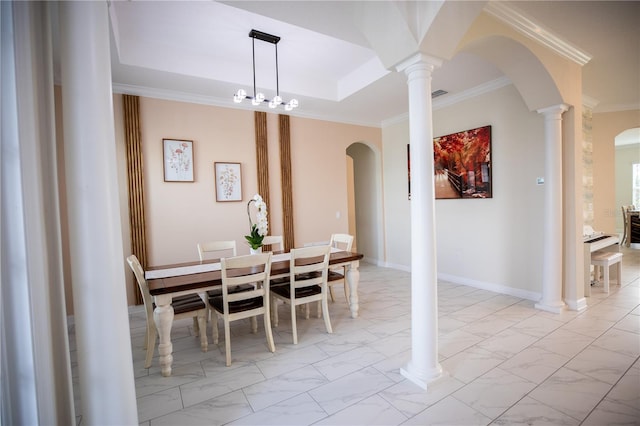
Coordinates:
287	181
423	366
105	369
552	252
135	180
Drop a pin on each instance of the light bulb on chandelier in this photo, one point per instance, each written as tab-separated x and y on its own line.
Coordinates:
259	98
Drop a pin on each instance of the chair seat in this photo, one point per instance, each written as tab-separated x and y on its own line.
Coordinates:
334	276
285	280
285	291
188	303
237	306
279	281
217	292
605	258
308	275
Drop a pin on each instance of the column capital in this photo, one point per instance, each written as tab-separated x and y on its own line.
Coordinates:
419	60
554	110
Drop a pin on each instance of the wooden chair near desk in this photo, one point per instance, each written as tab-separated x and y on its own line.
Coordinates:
625	223
631	223
337	276
274	241
308	271
241	271
187	306
218	250
217	247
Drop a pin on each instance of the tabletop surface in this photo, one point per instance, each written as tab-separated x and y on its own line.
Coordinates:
158	286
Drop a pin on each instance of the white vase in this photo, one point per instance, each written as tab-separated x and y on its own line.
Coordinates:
255	251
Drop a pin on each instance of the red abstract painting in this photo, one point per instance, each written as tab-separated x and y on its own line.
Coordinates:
462	164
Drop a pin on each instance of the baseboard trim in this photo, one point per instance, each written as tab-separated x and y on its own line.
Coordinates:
496	288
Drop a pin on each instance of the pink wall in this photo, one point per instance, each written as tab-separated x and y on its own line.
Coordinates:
320	178
179	215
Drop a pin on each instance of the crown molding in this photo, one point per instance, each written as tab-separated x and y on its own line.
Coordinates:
170	95
589	102
395	120
618	108
173	95
527	26
490	86
451	99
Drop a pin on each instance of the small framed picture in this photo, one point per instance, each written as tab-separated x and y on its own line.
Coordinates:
228	181
178	160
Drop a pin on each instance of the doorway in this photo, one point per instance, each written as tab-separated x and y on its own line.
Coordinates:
364	172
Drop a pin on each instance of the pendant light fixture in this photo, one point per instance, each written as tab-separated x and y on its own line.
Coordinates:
258	98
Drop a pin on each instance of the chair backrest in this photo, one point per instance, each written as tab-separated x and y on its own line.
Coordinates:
217	246
625	209
251	269
147	299
341	241
309	266
274	240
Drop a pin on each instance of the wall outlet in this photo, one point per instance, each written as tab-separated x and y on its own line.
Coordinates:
540	181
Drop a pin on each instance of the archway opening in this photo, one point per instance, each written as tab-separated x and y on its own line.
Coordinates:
627	169
365	200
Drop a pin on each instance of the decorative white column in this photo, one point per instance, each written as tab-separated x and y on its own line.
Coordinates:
553	232
105	368
423	366
35	379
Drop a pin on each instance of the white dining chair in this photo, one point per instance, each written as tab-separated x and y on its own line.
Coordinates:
219	250
274	240
237	271
187	306
337	275
308	270
218	247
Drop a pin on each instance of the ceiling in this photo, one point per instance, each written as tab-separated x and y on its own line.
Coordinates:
200	51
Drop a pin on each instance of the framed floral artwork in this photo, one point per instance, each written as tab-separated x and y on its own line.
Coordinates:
228	181
178	160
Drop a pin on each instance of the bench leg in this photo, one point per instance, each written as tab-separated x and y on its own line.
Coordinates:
606	279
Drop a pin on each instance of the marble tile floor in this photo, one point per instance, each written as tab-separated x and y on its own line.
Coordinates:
505	363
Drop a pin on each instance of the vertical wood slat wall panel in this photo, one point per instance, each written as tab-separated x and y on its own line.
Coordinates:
135	178
262	158
287	183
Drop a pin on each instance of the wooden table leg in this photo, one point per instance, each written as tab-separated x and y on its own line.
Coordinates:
163	317
353	279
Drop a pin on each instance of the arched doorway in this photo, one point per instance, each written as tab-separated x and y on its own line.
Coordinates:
627	172
365	200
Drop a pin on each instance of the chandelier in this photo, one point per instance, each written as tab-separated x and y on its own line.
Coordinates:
258	98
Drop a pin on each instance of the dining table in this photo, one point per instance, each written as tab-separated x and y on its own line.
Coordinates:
197	277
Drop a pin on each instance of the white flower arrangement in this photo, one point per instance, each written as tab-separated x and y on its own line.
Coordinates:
259	229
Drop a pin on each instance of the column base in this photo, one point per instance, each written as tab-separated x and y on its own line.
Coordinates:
420	377
555	307
578	305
